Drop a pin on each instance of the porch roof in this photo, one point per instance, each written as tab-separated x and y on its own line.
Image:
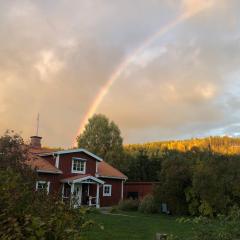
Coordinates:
81	179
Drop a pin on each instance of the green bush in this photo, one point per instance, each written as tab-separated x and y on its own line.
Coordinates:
26	214
128	205
221	227
147	205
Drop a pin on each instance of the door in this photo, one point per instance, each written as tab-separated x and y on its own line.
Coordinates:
85	194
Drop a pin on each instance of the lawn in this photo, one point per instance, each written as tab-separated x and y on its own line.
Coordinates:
136	226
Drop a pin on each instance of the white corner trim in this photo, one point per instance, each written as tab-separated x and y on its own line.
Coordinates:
57	161
96	169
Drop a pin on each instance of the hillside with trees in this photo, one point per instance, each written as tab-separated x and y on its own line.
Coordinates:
196	177
222	145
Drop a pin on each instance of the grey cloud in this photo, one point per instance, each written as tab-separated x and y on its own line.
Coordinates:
178	92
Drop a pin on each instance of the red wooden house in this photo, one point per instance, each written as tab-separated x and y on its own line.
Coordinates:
76	174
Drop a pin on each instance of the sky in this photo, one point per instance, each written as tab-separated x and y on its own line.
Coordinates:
56	57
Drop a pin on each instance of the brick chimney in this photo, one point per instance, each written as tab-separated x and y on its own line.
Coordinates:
36	142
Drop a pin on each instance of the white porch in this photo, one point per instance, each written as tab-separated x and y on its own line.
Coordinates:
82	190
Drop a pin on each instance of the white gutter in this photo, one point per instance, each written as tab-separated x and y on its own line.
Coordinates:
45	171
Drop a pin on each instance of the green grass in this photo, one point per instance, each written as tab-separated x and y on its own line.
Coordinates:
136	226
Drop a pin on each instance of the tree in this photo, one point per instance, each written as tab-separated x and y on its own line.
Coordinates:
174	178
22	212
11	150
103	138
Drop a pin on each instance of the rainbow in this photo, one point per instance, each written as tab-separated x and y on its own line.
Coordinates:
192	7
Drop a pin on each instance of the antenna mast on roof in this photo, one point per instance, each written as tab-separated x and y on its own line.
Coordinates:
38	119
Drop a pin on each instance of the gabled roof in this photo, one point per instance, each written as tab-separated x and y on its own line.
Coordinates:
36	161
105	170
81	178
41	165
73	151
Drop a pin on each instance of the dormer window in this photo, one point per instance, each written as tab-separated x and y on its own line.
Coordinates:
78	165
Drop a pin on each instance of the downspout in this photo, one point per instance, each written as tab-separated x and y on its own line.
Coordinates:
122	190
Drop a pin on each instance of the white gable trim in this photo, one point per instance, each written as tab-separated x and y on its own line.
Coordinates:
73	151
80	180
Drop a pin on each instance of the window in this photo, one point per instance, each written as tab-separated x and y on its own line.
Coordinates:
78	165
107	190
42	186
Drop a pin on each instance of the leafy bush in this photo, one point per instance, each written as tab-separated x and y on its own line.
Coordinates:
147	205
25	213
219	228
128	205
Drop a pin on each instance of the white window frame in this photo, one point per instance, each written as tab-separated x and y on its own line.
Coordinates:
43	182
84	166
109	194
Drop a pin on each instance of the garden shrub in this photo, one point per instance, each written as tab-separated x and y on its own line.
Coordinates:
25	213
220	228
128	205
147	205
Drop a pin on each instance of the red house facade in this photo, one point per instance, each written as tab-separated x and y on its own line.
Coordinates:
81	177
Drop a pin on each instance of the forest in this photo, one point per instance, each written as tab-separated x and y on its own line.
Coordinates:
196	177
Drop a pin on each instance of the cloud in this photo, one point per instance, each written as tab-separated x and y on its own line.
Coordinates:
55	58
193	6
47	65
148	55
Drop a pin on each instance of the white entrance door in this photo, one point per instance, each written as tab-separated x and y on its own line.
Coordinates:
77	195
